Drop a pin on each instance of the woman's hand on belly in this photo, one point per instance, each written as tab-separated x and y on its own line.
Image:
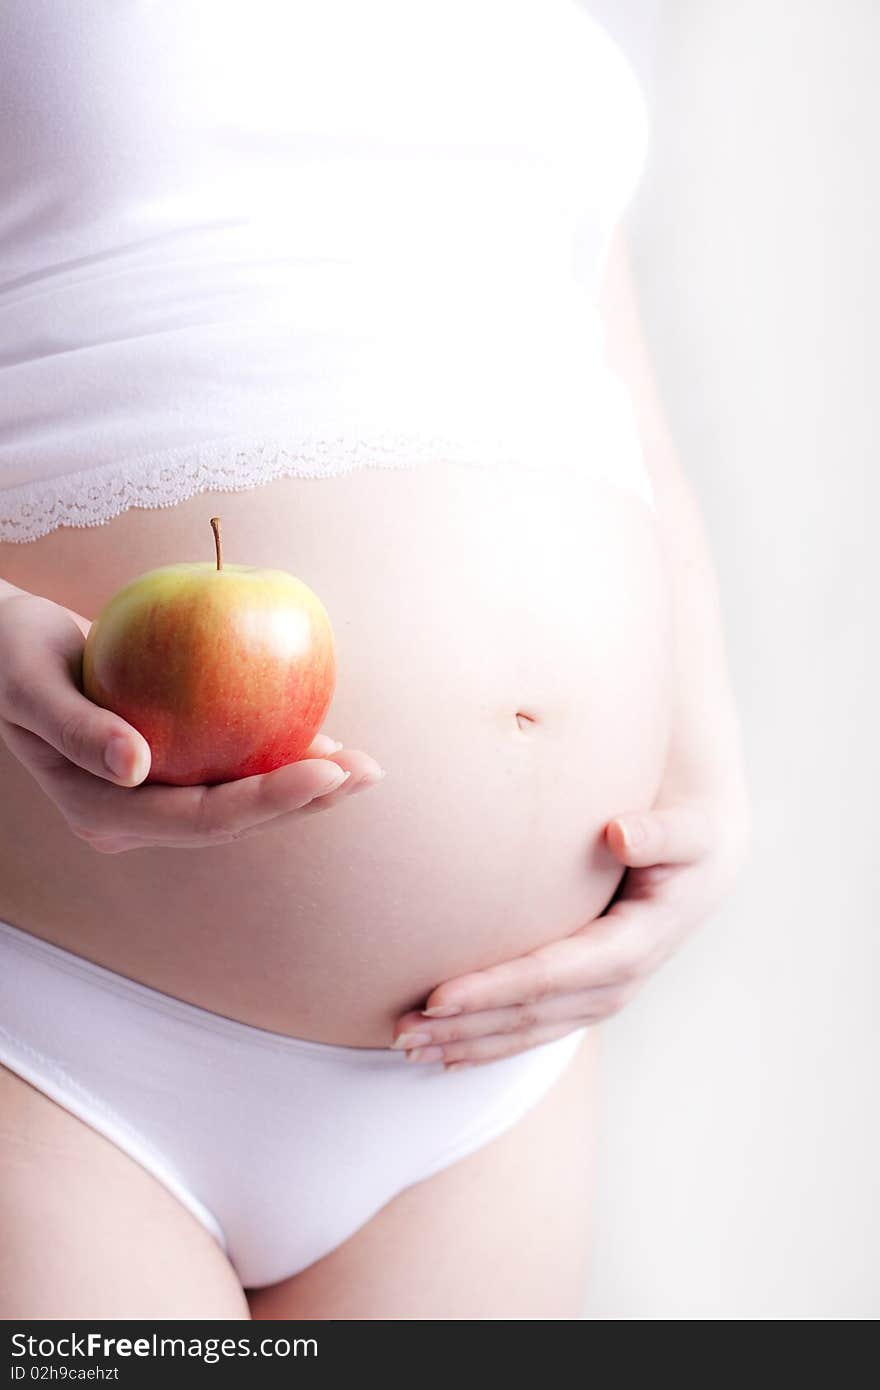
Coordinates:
88	761
680	859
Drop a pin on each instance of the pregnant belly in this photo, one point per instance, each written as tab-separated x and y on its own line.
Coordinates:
504	652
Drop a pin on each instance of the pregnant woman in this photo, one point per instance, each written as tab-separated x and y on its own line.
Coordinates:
352	277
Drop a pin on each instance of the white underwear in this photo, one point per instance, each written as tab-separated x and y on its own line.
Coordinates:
279	1146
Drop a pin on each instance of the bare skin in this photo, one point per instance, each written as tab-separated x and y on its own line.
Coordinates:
73	1210
328	926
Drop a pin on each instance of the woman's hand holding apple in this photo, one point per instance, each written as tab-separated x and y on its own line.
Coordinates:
87	759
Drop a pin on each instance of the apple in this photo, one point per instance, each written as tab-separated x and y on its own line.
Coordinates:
226	670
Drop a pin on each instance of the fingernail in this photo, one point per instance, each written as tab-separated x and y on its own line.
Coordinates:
119	759
442	1011
425	1054
412	1040
336	745
116	757
338	780
455	1066
374	776
635	833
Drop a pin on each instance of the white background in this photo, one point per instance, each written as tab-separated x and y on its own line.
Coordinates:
740	1146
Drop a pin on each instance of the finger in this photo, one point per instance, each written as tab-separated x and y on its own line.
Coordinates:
114	819
607	950
321	746
199	814
667	835
413	1030
174	813
478	1051
119	844
44	701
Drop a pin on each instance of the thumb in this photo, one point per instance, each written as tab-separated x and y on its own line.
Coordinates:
49	705
667	835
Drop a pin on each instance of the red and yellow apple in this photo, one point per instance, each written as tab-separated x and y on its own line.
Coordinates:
226	670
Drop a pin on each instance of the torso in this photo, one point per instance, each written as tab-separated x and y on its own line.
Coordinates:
460	598
266	258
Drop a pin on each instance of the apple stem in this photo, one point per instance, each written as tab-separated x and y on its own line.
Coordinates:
215	527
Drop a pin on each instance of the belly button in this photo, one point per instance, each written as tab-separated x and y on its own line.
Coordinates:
524	721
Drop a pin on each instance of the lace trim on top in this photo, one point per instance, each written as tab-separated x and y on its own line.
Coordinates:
94	496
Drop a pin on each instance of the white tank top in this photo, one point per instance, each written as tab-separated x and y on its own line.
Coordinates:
247	238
